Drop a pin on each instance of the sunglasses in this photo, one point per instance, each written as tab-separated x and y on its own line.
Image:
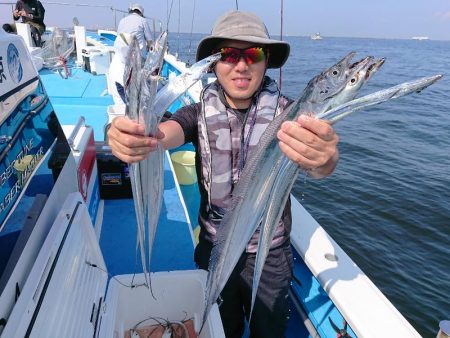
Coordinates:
233	55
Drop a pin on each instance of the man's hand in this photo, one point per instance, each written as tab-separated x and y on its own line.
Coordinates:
310	143
128	141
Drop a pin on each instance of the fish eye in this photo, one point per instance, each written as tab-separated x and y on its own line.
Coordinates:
335	72
354	79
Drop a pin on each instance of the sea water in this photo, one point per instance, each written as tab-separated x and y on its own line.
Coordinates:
388	202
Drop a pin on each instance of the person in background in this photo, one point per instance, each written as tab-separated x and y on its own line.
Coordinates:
225	127
134	24
32	12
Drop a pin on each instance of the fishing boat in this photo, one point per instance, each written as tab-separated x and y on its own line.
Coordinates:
316	36
68	226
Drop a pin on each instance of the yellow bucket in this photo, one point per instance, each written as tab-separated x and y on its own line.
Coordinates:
184	166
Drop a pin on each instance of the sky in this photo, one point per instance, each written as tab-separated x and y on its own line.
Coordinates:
346	18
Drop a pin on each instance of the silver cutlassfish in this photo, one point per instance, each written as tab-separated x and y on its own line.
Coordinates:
272	174
149	85
164	98
147	107
132	86
288	171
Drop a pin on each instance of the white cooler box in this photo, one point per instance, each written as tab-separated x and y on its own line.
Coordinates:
64	294
96	61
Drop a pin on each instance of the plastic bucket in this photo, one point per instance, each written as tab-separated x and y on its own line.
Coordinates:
21	169
184	166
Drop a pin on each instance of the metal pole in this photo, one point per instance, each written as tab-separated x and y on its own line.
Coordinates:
115	19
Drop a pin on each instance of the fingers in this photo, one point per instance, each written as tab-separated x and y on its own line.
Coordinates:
309	142
125	125
319	127
128	141
129	154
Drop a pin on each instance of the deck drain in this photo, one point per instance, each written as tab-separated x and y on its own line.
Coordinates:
331	257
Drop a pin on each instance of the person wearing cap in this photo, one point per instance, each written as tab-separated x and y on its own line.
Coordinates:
135	24
225	127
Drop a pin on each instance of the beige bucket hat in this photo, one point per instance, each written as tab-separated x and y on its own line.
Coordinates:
244	26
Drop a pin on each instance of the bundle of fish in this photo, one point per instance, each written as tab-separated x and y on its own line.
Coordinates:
260	195
146	105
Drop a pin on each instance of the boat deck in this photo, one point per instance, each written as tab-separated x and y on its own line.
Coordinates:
83	94
173	248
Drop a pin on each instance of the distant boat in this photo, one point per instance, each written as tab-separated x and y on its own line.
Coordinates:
420	38
316	37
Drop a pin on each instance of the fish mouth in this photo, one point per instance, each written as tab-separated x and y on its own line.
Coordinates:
374	67
345	62
361	65
357	66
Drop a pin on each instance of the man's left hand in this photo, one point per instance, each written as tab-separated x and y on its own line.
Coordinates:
311	143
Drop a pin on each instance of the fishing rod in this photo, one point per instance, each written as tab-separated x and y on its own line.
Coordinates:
281	38
190	36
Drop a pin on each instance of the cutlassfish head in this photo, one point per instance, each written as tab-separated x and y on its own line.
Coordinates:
325	85
374	67
204	65
155	55
195	72
132	78
358	74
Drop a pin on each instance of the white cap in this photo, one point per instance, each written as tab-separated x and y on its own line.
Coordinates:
137	7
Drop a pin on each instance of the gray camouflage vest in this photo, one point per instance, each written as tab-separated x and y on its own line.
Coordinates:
225	142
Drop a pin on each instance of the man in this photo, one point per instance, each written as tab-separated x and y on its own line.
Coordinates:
32	12
134	24
229	106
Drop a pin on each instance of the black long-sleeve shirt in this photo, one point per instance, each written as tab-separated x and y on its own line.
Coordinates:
187	117
33	7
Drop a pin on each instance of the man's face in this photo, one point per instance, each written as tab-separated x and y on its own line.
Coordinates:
242	79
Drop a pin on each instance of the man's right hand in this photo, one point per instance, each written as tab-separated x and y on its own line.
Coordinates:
128	141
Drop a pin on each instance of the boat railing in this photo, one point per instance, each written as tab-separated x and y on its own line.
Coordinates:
11	4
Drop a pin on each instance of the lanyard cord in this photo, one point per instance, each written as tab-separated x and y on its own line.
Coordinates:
245	142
